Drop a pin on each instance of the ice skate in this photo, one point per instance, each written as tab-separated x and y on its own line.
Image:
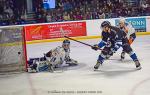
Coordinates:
138	65
97	65
50	68
122	56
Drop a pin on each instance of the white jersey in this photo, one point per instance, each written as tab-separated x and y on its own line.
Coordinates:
128	28
58	55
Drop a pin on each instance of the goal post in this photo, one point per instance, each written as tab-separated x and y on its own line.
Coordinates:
12	49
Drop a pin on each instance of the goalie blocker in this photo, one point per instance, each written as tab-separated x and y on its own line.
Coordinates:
55	58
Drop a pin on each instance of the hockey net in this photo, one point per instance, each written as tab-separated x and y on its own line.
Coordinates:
12	55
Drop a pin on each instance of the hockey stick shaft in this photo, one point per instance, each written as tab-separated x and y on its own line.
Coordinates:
62	31
80	42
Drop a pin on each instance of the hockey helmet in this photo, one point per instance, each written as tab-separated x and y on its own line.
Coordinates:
66	44
105	24
122	20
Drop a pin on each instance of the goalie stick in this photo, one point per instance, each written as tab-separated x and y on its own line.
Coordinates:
62	31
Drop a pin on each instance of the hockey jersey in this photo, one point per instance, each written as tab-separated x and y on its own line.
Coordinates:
115	35
128	28
58	55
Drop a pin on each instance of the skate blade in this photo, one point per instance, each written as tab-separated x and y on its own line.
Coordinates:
95	69
139	68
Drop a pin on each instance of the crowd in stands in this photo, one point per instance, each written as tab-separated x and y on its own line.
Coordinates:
70	10
11	12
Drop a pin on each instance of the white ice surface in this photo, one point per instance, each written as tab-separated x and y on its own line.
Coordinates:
113	78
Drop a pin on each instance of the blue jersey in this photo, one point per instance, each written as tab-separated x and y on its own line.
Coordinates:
115	35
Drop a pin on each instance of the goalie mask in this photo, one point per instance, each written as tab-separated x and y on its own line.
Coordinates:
66	44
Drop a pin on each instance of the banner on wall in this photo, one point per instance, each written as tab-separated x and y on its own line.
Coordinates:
138	23
147	24
50	31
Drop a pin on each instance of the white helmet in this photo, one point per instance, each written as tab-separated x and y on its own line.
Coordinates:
122	20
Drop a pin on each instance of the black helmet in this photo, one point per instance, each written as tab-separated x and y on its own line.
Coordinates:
105	23
66	42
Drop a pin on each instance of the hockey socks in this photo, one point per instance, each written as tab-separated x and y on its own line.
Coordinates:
133	56
99	61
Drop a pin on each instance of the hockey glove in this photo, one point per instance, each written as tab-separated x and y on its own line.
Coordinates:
72	62
95	47
108	44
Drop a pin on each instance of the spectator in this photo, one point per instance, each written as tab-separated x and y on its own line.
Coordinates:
66	16
11	11
78	16
72	15
48	17
67	6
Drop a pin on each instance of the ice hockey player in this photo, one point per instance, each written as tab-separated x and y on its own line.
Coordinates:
130	33
56	57
112	38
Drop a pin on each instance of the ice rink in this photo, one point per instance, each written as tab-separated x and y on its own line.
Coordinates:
113	78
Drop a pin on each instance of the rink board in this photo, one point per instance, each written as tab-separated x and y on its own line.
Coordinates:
113	78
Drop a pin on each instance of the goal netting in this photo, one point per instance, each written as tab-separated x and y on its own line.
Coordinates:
12	56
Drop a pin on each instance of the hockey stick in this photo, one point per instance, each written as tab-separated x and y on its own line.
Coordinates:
62	31
78	41
81	42
63	35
